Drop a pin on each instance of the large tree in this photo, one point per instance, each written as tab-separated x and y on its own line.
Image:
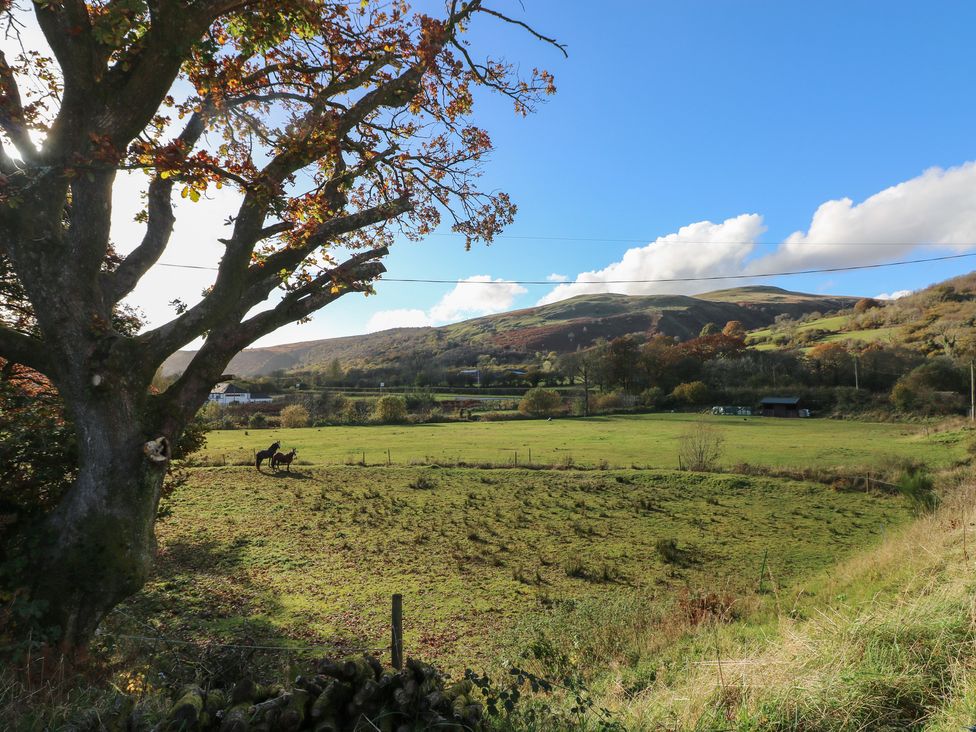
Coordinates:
338	123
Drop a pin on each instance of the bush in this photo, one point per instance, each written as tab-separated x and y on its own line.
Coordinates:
294	415
668	550
540	402
611	400
356	411
257	421
906	396
652	397
390	409
693	392
700	447
919	489
735	329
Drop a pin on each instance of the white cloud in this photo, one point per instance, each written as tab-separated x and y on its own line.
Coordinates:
938	207
557	277
696	250
402	318
472	297
893	295
471	300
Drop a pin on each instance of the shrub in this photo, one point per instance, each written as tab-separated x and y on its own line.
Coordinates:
906	396
692	392
356	411
294	415
668	550
700	447
735	329
257	421
652	396
865	304
540	402
916	485
612	400
390	409
423	483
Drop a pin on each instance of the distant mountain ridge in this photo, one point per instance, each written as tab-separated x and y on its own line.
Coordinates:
514	336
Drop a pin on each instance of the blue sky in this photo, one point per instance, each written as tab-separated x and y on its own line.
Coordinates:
750	115
671	113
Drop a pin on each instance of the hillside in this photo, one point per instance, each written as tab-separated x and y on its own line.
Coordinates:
936	320
513	337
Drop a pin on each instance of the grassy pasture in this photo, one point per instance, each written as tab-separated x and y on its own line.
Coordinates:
315	556
869	335
622	441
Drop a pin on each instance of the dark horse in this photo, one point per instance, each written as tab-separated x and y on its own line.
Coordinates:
283	458
266	454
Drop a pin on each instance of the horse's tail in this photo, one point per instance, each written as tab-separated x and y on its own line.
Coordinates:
257	461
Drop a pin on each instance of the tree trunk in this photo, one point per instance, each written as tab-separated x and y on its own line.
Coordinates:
95	549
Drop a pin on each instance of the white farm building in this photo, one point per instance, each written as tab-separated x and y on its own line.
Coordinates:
229	393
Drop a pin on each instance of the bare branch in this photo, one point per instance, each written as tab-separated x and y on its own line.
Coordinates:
526	26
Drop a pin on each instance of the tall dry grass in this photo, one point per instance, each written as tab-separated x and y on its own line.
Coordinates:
884	641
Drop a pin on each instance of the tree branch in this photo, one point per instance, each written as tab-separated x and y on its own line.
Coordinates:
182	398
12	112
256	284
526	26
159	226
67	27
291	257
23	349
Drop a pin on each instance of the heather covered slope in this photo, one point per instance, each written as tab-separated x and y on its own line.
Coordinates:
513	337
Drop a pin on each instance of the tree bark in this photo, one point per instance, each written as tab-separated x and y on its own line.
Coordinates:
96	548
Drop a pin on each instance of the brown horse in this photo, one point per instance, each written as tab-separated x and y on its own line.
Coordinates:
266	454
283	458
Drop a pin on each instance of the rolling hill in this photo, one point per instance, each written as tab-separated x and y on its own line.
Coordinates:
511	337
938	320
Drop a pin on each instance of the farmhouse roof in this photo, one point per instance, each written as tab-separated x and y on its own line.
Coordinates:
790	401
227	387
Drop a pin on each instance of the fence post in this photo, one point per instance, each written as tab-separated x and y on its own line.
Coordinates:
762	571
396	646
388	457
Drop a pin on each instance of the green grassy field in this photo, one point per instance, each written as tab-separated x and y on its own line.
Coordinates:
314	556
834	323
622	441
870	335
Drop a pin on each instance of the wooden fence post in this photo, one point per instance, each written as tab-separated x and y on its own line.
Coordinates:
396	646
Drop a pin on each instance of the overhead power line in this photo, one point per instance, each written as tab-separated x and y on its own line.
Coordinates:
703	278
664	240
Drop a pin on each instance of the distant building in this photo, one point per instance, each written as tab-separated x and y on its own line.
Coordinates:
783	407
229	393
